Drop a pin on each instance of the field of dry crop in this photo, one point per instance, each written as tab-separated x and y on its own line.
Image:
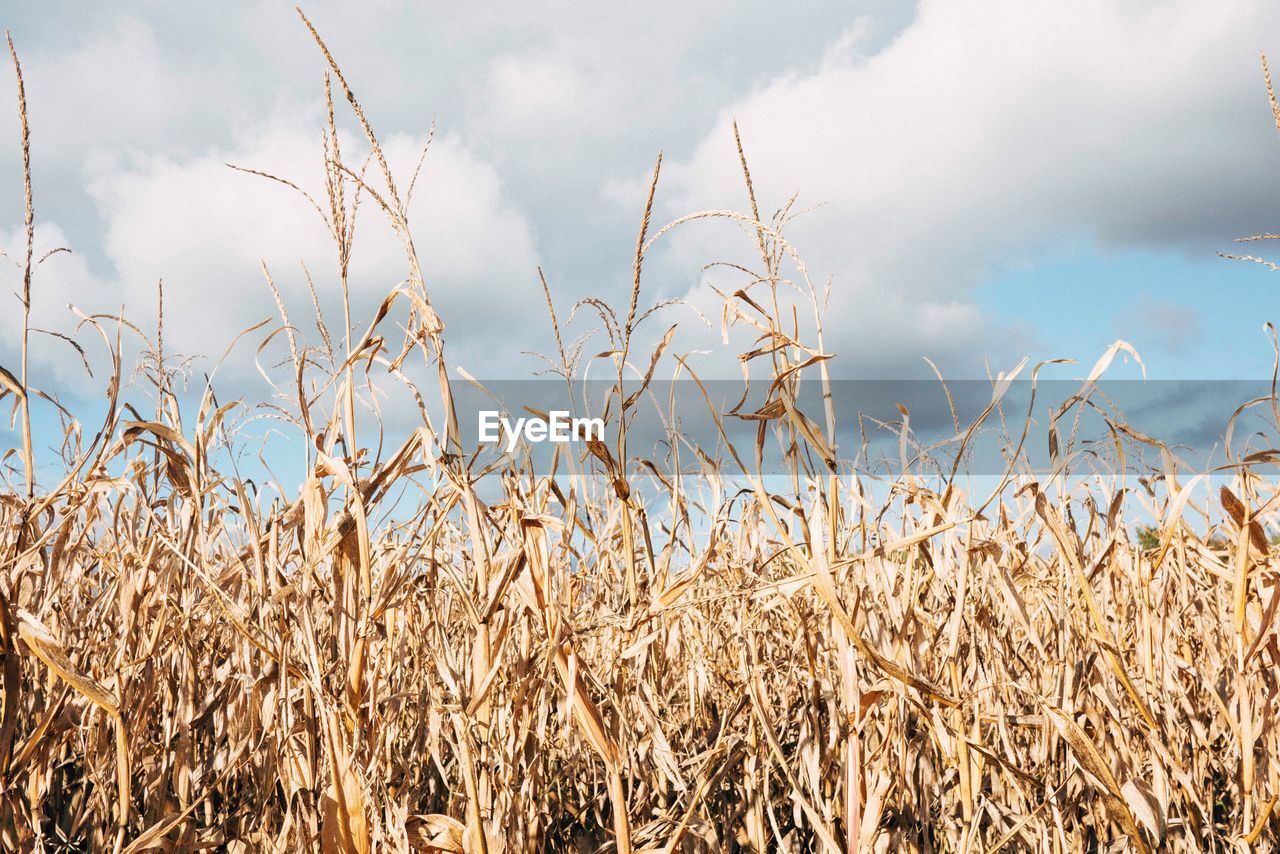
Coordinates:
617	656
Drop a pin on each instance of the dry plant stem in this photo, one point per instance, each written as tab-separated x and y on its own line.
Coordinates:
29	218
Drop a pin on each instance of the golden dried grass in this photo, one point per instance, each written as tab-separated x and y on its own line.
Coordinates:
571	667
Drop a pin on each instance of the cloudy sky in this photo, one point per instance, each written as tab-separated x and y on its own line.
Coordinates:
980	181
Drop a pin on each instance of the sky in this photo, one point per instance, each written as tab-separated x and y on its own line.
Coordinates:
977	182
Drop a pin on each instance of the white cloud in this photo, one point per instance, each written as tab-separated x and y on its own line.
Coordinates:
983	135
204	229
529	94
97	93
552	103
58	280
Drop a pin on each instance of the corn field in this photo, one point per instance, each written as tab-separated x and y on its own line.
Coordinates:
407	653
